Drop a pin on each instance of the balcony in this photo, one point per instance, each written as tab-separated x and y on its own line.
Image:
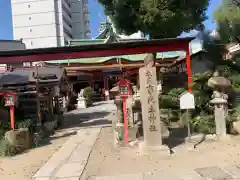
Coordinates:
86	21
85	2
67	18
87	31
86	17
66	6
86	10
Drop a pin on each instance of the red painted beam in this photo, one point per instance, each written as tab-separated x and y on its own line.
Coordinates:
47	56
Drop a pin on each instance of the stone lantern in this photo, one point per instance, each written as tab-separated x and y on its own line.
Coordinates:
220	97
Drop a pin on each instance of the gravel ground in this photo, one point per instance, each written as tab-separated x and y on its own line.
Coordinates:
105	160
24	166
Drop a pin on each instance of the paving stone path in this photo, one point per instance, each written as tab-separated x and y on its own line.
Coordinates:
207	173
69	161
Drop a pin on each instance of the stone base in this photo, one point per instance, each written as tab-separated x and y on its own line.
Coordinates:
19	138
81	104
144	149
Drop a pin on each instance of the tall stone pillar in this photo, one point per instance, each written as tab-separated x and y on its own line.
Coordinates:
150	105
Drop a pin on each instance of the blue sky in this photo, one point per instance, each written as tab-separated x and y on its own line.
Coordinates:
96	17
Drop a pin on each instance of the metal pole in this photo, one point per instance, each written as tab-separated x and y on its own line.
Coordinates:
188	122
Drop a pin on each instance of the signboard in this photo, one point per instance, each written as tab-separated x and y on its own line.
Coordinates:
125	88
187	101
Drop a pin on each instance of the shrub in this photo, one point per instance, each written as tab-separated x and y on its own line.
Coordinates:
89	94
8	150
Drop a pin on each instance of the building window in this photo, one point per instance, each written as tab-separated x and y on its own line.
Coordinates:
29	18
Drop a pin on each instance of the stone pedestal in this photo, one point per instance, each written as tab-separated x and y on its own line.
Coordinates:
156	150
20	138
220	113
81	103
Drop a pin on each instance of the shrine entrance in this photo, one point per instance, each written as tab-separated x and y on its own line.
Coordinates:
147	67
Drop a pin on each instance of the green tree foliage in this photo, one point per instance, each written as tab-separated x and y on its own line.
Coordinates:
158	18
202	117
227	19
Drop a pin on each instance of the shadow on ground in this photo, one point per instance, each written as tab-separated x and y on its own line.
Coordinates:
100	103
176	137
71	124
72	120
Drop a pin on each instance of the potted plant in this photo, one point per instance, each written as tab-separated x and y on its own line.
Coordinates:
88	94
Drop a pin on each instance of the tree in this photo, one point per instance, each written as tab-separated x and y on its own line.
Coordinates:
227	19
157	18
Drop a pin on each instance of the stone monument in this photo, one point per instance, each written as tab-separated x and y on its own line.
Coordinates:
81	101
150	105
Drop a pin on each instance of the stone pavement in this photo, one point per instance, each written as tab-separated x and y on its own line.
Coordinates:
207	173
69	161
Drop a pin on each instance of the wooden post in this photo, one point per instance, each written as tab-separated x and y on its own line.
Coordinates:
50	101
92	82
39	123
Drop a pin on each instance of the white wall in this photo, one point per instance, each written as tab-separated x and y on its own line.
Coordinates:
41	42
35	31
36	21
21	7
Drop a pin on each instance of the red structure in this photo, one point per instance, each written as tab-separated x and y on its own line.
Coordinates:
125	90
101	50
10	101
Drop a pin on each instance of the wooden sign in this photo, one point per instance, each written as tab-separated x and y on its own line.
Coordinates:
187	101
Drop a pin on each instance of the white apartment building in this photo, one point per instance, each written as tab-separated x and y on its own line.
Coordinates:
49	23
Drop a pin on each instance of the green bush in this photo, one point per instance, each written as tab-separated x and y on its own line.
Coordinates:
202	117
8	150
89	94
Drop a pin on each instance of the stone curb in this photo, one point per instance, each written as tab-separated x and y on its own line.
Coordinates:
70	160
